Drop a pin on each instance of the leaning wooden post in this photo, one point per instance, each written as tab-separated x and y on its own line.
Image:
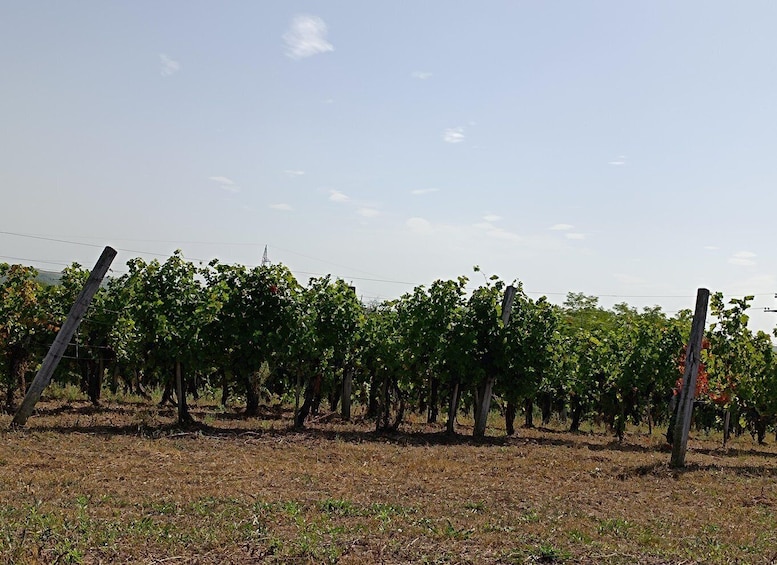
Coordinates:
484	400
692	361
65	334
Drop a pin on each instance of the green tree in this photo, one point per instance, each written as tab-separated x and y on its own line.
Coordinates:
740	367
334	313
26	326
170	308
252	315
532	336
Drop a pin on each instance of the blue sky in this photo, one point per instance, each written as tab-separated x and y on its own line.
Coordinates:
619	149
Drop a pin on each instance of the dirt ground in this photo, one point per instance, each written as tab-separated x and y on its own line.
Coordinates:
121	484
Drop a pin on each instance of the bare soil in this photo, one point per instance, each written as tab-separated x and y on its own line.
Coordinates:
122	484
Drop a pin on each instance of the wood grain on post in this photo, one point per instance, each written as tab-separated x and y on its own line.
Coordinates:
692	361
65	334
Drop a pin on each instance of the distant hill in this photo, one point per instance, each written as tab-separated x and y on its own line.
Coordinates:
46	277
52	278
49	277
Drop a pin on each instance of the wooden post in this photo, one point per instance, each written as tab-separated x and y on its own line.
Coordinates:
180	392
483	400
507	304
347	389
65	334
726	426
297	392
453	408
692	361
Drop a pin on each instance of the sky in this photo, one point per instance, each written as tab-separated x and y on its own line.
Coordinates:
624	150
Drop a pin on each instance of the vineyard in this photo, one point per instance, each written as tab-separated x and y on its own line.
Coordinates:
310	427
257	333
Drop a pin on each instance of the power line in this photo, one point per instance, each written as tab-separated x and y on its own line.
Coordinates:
60	240
344	277
33	260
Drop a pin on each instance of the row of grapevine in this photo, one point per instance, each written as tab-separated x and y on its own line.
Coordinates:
254	331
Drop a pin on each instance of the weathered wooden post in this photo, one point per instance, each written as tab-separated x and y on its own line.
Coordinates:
484	398
692	361
65	334
347	390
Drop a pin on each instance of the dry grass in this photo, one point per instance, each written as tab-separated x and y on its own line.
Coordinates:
121	484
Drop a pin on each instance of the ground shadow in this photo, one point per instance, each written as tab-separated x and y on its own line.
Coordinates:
211	422
665	470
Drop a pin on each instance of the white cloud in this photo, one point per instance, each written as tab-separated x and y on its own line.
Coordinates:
453	135
711	247
222	180
572	235
561	227
284	207
491	218
744	258
168	65
418	191
469	241
419	225
618	161
306	37
225	183
293	173
421	75
337	196
368	212
497	233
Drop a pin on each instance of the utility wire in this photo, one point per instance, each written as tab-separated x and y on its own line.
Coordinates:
344	277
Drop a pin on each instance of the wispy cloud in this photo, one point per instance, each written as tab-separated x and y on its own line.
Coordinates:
293	173
744	258
337	196
283	207
421	75
453	135
618	161
491	218
568	234
473	237
495	232
368	212
419	225
419	191
225	183
711	247
306	37
168	66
